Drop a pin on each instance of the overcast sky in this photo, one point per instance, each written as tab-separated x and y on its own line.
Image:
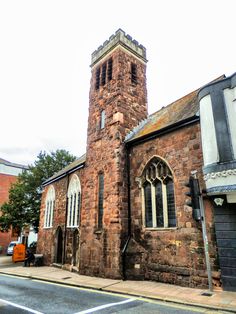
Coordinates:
45	54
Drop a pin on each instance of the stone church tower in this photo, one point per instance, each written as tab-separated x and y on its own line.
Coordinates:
117	103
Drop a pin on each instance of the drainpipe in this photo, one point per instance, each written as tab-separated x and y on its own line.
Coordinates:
129	214
65	227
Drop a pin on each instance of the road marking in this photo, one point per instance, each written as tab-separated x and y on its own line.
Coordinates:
173	304
195	307
94	309
20	306
89	289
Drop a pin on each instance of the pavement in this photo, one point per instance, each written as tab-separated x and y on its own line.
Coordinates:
220	301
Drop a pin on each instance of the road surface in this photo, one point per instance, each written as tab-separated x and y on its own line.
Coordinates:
22	295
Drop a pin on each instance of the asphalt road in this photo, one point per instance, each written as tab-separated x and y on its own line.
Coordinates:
22	295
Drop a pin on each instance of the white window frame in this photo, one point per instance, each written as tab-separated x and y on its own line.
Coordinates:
50	203
74	202
152	179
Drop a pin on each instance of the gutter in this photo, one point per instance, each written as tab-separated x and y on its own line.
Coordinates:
62	175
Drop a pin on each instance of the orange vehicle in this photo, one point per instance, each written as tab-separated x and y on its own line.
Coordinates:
18	253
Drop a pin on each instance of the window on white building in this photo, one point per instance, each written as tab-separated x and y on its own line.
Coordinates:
50	203
158	195
74	195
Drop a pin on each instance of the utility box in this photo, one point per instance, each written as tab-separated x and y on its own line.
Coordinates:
18	253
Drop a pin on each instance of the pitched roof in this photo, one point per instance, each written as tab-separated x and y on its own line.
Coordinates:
11	164
78	163
179	111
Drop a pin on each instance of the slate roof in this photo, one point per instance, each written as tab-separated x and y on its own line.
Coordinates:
179	111
78	163
11	164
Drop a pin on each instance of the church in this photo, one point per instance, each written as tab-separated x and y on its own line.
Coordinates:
119	211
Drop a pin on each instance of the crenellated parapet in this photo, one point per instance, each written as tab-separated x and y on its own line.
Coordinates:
122	39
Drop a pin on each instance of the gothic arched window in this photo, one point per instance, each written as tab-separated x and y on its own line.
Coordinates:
50	202
158	195
73	207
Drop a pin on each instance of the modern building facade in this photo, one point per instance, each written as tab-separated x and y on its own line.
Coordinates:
218	112
8	175
119	211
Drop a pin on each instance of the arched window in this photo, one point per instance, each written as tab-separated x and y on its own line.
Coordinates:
73	208
50	203
158	195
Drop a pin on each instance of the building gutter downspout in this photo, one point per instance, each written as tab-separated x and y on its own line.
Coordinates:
129	214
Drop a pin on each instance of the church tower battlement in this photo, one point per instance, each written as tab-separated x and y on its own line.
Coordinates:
119	38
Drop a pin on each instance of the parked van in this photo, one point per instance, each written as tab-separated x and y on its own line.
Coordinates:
11	247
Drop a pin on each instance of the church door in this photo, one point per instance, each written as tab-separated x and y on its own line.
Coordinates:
59	246
75	248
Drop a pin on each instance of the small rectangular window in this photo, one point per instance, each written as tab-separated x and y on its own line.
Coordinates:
109	70
97	78
103	118
133	73
171	204
100	199
104	71
148	205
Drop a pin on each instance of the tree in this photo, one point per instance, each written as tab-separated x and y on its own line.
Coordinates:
23	206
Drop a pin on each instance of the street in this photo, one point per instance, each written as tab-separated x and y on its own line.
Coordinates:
21	295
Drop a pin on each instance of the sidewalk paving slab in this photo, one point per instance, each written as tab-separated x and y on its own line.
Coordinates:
223	301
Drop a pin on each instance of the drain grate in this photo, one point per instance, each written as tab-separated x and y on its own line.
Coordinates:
207	294
66	278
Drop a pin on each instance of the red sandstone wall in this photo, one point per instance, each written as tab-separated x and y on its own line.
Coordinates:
47	236
175	255
125	105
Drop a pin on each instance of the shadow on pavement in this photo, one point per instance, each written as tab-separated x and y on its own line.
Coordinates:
6	261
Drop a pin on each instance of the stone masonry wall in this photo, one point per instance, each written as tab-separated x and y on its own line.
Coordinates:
125	106
173	255
47	236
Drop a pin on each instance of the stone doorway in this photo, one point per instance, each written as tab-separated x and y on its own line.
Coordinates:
58	246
